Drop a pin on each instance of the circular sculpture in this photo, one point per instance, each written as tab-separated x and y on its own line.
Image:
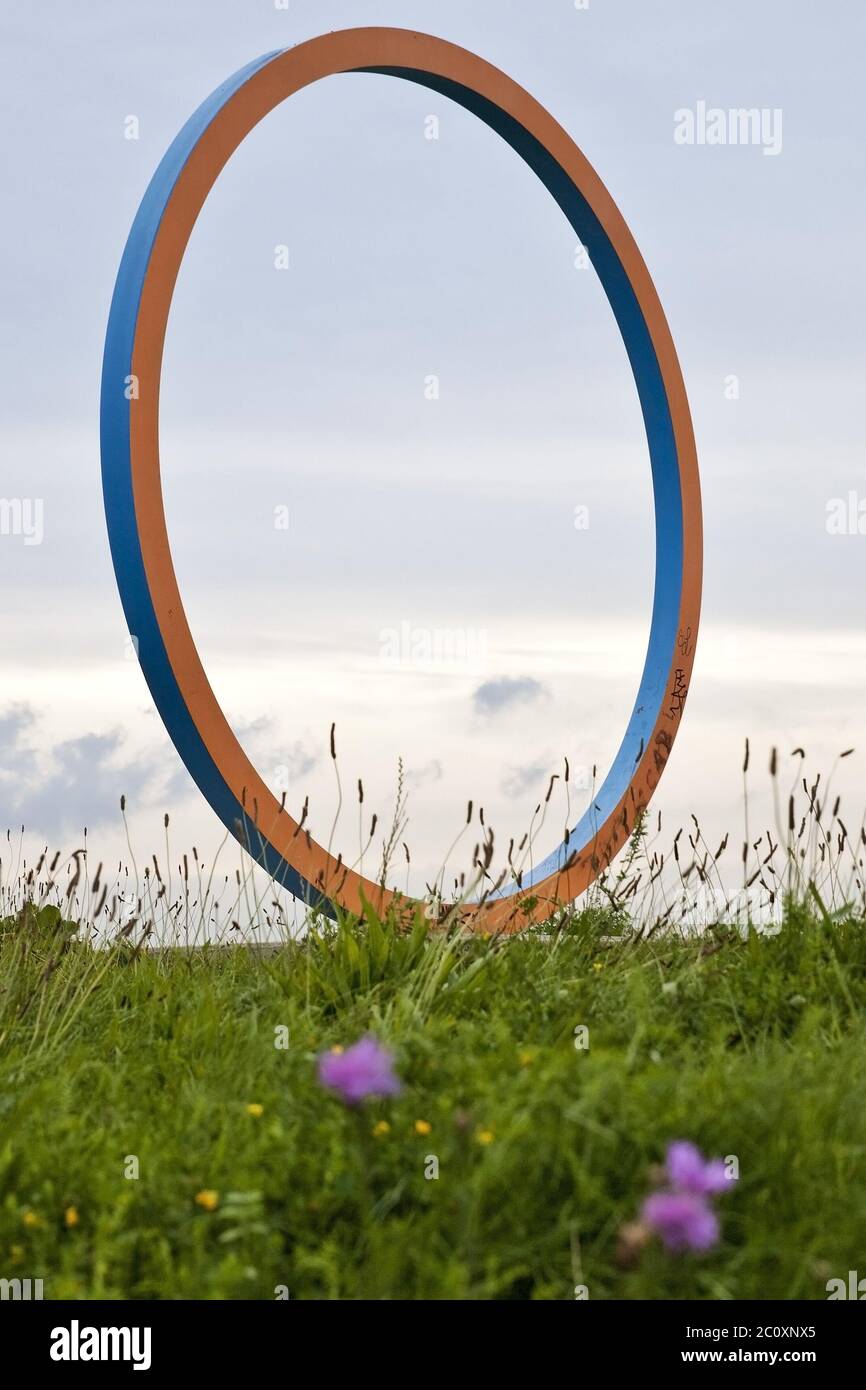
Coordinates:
133	496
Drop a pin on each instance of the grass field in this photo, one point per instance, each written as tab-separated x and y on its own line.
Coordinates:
164	1133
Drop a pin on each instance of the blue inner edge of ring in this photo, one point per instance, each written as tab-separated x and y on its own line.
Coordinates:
120	508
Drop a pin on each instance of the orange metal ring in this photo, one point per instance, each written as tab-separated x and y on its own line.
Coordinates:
133	493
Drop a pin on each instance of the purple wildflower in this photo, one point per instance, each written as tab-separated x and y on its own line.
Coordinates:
689	1171
684	1220
682	1214
367	1069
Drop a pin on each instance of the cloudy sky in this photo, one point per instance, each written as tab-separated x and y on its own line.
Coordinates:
354	546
